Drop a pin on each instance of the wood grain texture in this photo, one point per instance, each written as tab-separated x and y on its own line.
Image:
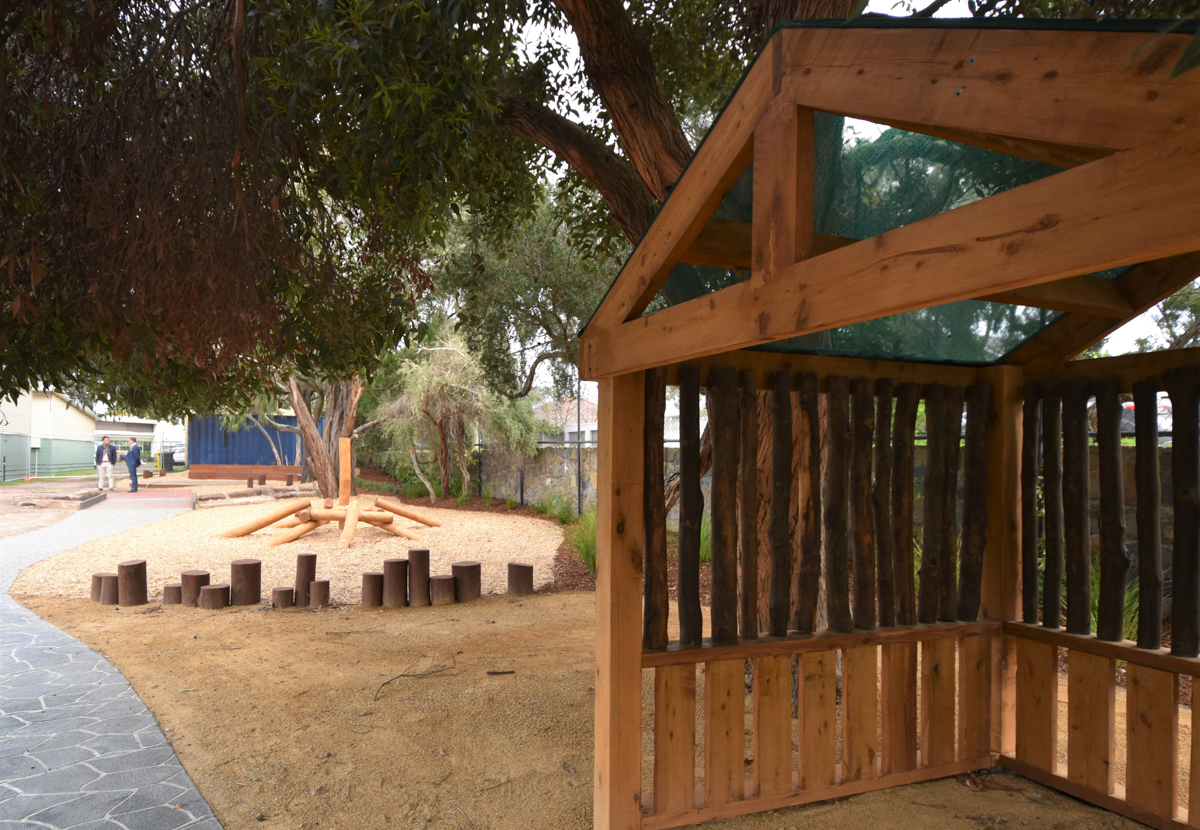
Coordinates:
772	725
934	498
765	364
655	606
881	493
948	565
818	764
1091	712
723	425
674	739
784	154
938	679
1183	385
748	505
860	713
837	549
862	535
975	502
1152	739
898	692
1149	515
779	528
808	575
907	401
1077	520
1037	704
974	691
1052	496
1031	424
724	728
691	507
1114	554
1081	295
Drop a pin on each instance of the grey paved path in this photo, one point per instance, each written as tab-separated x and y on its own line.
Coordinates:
78	748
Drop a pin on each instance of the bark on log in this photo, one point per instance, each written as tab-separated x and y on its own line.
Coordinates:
406	512
837	548
934	496
131	583
1183	385
318	593
1030	427
862	418
908	398
395	583
520	579
418	577
1077	524
691	507
245	582
372	589
1052	499
280	512
109	593
1114	554
975	507
779	529
748	505
1149	515
885	557
722	393
172	594
468	581
283	598
192	582
808	575
306	572
214	597
441	590
97	579
655	605
948	564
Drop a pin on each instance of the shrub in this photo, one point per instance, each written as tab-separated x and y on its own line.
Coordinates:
581	535
509	503
415	490
706	538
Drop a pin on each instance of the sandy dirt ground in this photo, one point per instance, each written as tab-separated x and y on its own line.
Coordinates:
15	520
274	716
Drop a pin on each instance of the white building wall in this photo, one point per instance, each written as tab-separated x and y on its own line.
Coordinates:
69	421
15	416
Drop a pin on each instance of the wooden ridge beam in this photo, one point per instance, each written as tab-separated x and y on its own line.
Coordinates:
1082	295
1060	155
1128	369
726	243
1133	206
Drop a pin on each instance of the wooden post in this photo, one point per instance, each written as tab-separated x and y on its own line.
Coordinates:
214	597
245	582
1114	555
172	594
306	572
520	579
837	549
290	479
654	514
406	512
418	576
1183	385
908	398
192	582
262	479
1052	495
468	581
674	738
295	533
395	583
109	592
280	512
1149	515
723	427
691	507
1030	425
975	508
948	563
318	593
880	495
779	529
1077	526
441	590
934	494
327	504
131	582
808	574
372	589
748	505
97	580
283	598
249	482
862	537
345	481
618	724
350	524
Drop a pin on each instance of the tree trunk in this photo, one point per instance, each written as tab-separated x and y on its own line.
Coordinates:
339	403
461	437
412	452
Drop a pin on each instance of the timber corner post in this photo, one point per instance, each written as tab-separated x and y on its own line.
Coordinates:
618	604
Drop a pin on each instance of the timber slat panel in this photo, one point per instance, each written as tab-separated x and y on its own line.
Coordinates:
723	428
724	731
837	549
691	507
1037	704
862	536
1149	515
974	689
907	401
934	498
654	515
1052	495
1077	528
975	508
1158	658
881	502
1091	712
1183	385
779	530
1114	554
948	560
818	764
937	702
898	687
1152	739
1030	426
860	713
809	572
772	725
748	506
674	738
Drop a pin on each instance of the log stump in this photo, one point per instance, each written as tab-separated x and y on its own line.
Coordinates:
520	579
283	598
441	590
192	582
467	581
108	589
372	589
172	594
306	572
318	593
97	579
249	482
262	480
245	582
395	583
131	582
418	577
290	479
214	597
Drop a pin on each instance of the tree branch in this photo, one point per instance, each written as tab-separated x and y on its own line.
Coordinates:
367	426
931	9
528	385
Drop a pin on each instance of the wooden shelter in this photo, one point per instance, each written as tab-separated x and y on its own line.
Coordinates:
749	286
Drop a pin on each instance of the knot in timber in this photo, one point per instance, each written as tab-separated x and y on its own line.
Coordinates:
1044	224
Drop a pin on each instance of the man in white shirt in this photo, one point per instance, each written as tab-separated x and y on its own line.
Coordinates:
106	456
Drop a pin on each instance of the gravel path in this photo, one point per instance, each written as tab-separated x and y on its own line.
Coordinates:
78	748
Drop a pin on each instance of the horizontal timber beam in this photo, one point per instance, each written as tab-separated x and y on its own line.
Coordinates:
1130	207
725	243
1128	369
1057	154
1083	295
1153	658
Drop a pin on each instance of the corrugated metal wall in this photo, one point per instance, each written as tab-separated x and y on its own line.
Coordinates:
209	444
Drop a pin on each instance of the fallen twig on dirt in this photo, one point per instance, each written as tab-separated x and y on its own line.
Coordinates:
501	671
436	668
494	786
355	630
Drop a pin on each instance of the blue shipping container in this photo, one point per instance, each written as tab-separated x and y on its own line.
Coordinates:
208	443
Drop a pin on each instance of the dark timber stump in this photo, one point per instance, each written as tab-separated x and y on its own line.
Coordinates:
283	598
214	597
880	497
1031	425
372	589
654	514
837	544
245	582
948	564
808	575
723	427
935	502
97	580
1149	515
192	582
249	482
1077	530
262	480
691	507
1052	495
290	479
468	581
779	592
908	397
172	594
108	589
520	579
862	537
395	583
418	577
748	506
1114	554
306	572
131	582
318	593
441	590
1183	385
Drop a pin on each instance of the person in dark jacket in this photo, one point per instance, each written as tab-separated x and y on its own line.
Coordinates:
133	460
106	457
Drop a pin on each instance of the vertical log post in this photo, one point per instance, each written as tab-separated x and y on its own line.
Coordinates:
283	598
862	535
172	594
748	505
654	514
778	528
395	583
418	577
441	590
131	582
975	509
372	589
1077	525
809	573
884	541
1114	554
935	502
306	572
948	565
837	548
245	582
214	597
1030	426
97	581
109	592
691	507
908	398
262	479
318	593
345	477
1183	385
1052	496
1149	515
723	426
468	581
192	582
520	579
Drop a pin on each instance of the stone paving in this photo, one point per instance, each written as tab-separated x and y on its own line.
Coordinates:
78	748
